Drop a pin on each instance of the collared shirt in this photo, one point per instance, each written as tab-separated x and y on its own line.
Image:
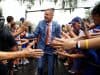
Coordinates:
50	32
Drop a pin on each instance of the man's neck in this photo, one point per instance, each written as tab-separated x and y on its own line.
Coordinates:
49	21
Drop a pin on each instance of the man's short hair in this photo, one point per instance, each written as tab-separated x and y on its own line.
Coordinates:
96	10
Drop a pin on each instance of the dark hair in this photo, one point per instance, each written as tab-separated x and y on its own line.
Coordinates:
10	18
22	19
96	10
63	25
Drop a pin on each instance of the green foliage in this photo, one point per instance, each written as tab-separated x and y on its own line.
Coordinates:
55	1
31	1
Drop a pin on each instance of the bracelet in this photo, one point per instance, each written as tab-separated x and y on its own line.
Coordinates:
86	44
78	45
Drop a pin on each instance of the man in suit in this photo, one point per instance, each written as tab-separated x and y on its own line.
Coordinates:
47	29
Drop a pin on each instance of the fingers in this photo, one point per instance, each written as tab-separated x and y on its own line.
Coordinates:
60	53
58	39
57	43
37	53
65	35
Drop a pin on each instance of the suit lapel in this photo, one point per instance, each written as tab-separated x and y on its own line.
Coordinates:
53	29
44	28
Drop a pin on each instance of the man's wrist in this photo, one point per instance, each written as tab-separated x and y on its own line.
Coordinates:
20	54
77	45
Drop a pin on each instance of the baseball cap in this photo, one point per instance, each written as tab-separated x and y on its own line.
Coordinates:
76	19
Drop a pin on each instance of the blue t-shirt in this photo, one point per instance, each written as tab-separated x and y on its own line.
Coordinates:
95	53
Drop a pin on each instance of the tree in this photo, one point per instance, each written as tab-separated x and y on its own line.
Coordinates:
55	1
30	1
1	0
41	1
71	4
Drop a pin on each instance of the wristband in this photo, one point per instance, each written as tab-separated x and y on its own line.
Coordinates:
78	45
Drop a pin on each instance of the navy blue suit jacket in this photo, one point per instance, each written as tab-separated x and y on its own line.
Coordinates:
41	31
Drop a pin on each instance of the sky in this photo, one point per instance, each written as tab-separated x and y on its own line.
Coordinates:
13	8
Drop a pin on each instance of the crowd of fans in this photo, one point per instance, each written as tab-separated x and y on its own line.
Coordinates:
77	47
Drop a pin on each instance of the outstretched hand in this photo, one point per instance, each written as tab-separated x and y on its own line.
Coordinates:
63	43
35	53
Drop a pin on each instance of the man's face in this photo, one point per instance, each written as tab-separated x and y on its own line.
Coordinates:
96	19
48	15
77	25
12	22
